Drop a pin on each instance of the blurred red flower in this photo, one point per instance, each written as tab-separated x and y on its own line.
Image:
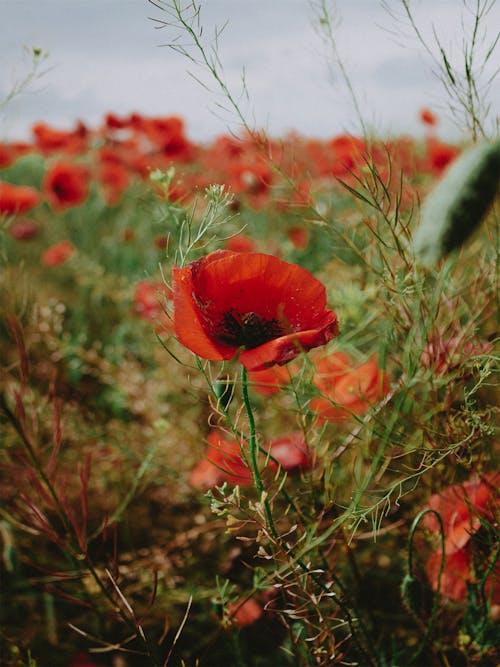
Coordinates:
440	155
114	179
245	613
258	305
428	117
51	140
290	451
299	237
268	381
58	253
462	508
82	660
347	390
23	229
17	199
222	463
149	301
240	243
66	184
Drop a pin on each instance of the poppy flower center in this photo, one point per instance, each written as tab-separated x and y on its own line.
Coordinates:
247	330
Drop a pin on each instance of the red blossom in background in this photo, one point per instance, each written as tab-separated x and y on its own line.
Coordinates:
149	302
298	236
428	117
114	179
268	381
347	390
223	460
258	305
58	253
66	184
245	613
240	243
290	451
18	199
461	508
23	230
222	463
439	155
50	140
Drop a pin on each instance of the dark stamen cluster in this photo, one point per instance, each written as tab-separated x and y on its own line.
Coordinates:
248	330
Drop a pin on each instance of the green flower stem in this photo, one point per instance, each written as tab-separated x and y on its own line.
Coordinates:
414	527
253	448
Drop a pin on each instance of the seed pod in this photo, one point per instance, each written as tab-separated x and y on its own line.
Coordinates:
458	204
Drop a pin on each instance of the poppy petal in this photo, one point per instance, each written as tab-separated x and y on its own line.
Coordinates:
285	348
187	323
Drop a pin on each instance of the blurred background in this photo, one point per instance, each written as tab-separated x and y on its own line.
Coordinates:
110	55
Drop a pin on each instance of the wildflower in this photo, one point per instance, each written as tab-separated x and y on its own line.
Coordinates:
246	613
253	178
114	179
257	305
222	463
168	135
66	184
240	243
23	229
462	508
440	155
349	152
428	117
51	140
268	381
290	451
161	242
82	660
17	199
347	390
147	300
58	253
298	236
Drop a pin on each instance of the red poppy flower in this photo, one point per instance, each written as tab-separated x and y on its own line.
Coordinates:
66	184
240	243
50	140
346	390
268	381
17	199
246	613
58	253
440	155
461	508
299	237
7	156
222	463
428	117
149	300
23	230
258	305
455	574
114	178
290	451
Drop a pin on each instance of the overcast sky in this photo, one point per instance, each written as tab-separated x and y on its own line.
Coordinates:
107	55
